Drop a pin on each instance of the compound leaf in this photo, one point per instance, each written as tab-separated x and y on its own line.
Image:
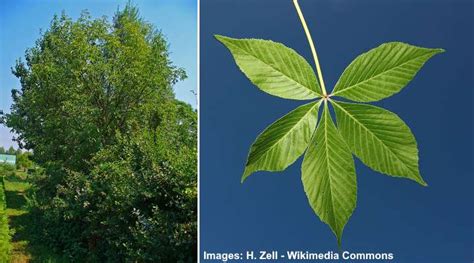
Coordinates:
274	68
284	141
380	139
328	176
382	71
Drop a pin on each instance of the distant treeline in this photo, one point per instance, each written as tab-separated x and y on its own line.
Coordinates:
11	151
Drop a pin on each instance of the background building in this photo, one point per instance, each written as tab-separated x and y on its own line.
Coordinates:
8	158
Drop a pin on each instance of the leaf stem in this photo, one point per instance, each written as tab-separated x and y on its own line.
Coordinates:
311	44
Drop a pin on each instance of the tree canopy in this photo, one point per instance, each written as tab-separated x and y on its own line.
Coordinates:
97	108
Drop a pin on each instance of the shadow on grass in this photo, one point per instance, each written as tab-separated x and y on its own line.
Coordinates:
15	200
15	178
24	225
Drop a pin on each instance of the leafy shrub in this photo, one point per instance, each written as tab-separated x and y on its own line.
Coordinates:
6	168
23	160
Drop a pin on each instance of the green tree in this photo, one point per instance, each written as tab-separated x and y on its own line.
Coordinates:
11	150
23	161
97	108
2	150
18	152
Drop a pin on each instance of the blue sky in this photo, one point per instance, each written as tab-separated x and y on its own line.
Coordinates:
21	21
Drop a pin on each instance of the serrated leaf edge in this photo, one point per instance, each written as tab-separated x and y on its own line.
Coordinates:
420	179
247	173
316	93
339	93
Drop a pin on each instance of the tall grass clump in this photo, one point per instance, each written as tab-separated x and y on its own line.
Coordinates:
5	245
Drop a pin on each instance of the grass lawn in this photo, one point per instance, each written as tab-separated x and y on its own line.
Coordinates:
15	187
21	223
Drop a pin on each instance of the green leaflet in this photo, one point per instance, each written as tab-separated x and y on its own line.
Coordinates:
328	176
382	71
380	139
274	68
284	141
376	136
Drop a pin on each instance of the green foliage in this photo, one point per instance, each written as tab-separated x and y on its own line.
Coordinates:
2	150
387	69
379	138
283	141
23	160
333	192
11	151
102	76
18	152
392	150
118	152
274	68
6	169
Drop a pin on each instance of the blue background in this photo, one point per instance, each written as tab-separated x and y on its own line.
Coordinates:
270	210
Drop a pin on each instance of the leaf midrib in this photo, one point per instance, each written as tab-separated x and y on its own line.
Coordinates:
328	163
282	73
378	139
375	76
289	131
